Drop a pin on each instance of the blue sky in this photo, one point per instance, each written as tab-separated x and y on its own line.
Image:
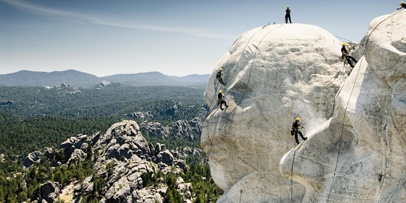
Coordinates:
174	37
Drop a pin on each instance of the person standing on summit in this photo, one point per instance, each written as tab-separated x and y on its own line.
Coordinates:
287	15
402	5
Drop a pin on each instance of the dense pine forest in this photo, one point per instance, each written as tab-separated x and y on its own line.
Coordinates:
35	118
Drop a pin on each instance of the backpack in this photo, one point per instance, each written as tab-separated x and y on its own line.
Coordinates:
218	74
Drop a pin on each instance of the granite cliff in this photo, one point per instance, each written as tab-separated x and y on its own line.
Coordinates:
355	124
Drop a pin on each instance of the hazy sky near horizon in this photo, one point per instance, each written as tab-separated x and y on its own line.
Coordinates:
174	37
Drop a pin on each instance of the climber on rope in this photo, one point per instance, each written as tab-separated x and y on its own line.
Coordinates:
402	5
287	15
218	76
221	101
346	56
296	130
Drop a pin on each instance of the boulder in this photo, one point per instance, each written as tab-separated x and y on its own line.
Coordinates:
156	129
49	191
33	157
166	157
120	191
181	164
141	115
146	195
48	152
173	110
78	155
181	127
195	126
69	143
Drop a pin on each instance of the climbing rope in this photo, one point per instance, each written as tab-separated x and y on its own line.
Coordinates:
291	170
348	101
205	122
213	108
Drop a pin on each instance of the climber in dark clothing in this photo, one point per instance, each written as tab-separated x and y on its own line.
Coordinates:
296	130
287	15
218	76
346	56
402	5
220	100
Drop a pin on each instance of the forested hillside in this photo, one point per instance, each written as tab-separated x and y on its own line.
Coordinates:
36	118
111	100
76	78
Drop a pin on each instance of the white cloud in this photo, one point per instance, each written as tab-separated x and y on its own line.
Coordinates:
43	11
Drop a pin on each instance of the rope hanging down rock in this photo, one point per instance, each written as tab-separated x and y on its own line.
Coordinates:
347	103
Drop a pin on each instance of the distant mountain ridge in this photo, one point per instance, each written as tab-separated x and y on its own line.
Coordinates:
80	79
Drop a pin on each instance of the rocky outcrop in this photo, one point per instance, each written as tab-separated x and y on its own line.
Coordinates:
273	74
141	115
156	128
178	129
122	158
33	157
49	192
355	151
173	110
102	84
6	103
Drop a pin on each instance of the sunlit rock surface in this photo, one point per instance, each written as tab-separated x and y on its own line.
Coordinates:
273	74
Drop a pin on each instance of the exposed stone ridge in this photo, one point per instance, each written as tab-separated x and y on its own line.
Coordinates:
122	156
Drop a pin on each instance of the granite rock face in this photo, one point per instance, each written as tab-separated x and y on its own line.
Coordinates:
273	75
356	125
359	155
